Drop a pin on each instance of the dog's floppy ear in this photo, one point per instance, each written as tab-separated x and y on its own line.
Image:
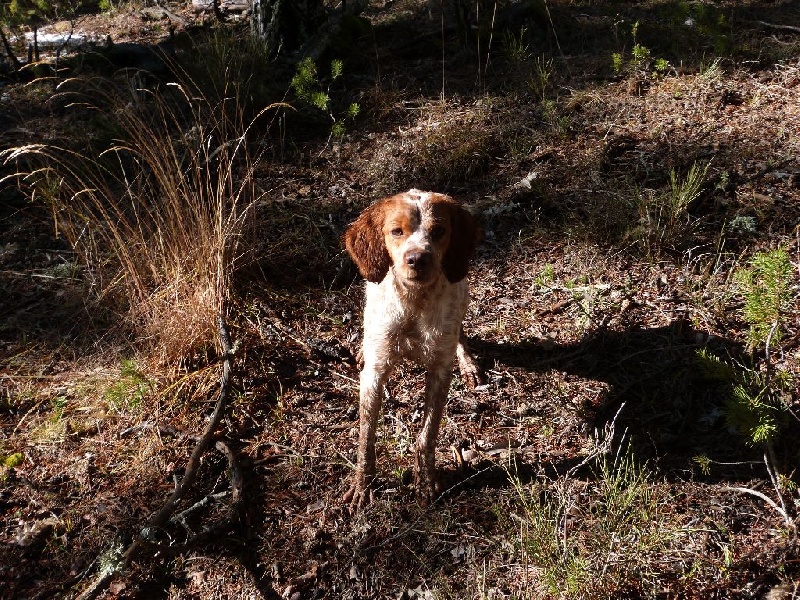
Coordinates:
364	242
464	237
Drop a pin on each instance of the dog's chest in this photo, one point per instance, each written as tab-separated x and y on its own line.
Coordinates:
418	328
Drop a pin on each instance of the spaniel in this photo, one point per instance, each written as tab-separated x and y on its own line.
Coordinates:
414	250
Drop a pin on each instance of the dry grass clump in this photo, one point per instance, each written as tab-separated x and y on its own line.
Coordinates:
158	214
454	149
449	145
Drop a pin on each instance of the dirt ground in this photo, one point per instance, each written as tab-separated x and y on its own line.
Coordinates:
597	461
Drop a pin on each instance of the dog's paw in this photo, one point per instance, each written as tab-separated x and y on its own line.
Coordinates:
426	485
471	374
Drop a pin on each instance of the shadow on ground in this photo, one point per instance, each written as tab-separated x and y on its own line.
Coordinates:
663	395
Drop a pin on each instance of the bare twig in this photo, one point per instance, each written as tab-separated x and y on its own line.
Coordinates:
160	518
765	498
601	447
204	502
555	36
767	360
769	460
237	483
64	45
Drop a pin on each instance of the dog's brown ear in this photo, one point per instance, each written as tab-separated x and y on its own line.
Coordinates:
464	237
364	242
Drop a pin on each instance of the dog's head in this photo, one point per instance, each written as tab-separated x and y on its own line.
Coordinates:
420	235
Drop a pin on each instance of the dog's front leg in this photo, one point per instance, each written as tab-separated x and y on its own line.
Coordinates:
436	387
371	386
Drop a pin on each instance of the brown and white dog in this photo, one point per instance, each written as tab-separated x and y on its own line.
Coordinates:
414	250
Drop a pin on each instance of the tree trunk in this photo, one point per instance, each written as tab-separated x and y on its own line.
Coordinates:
9	51
286	25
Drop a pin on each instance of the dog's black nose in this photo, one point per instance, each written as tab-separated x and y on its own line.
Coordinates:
418	260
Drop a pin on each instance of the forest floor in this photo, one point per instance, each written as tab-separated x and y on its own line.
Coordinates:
599	460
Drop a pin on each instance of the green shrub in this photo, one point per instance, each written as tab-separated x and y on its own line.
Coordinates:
13	460
766	287
308	88
757	407
640	63
752	411
618	62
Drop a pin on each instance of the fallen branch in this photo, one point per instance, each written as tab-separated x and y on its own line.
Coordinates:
791	28
237	483
117	564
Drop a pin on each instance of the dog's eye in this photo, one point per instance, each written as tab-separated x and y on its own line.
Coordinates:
397	232
437	232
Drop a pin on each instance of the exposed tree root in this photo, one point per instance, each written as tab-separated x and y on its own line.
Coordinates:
115	565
